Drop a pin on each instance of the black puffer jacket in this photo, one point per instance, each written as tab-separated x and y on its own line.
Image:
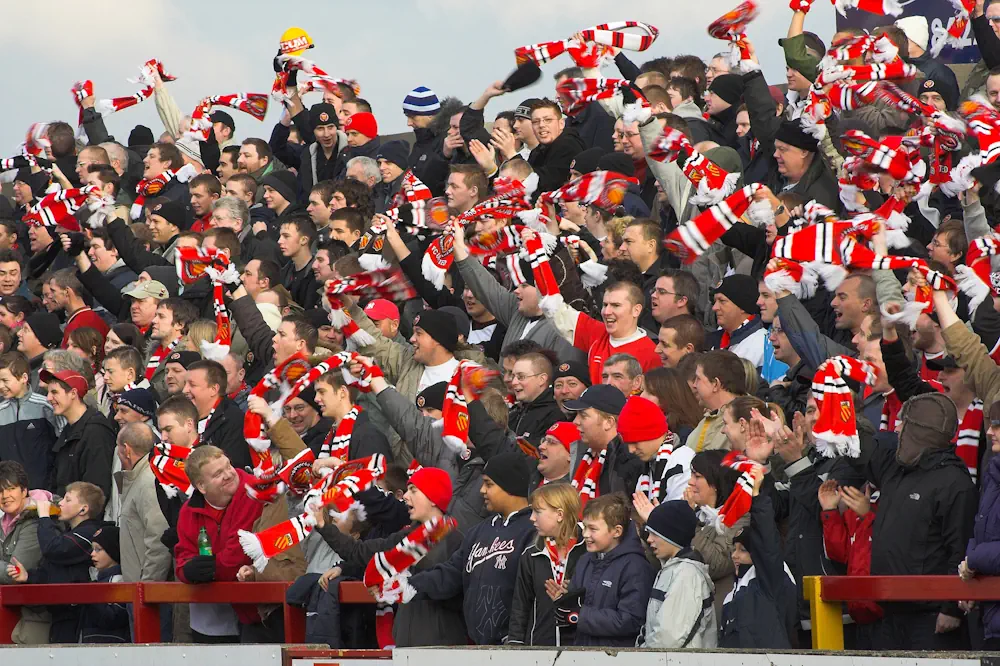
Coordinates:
530	420
551	161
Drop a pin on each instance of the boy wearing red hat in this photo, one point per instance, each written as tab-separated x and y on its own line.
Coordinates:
423	621
666	464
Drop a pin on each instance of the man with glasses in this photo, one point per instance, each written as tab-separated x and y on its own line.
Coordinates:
536	408
793	388
557	145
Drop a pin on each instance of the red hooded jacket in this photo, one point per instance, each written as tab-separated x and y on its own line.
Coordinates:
847	538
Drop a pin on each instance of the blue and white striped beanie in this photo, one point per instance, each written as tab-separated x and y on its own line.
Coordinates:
421	101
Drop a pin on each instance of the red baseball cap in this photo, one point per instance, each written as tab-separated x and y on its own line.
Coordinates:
380	309
564	432
72	379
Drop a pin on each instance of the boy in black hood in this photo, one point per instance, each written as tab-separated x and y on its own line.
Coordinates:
485	567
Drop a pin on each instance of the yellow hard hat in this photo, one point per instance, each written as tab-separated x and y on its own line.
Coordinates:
295	41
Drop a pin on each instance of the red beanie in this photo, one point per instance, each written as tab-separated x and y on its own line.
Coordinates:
363	122
641	420
564	432
435	484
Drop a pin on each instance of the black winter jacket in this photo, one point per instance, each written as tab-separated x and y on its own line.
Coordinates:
760	611
925	516
485	570
426	161
420	622
225	430
85	451
595	127
327	621
65	551
530	420
551	161
532	618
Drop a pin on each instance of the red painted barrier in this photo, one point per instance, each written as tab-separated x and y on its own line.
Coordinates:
909	588
146	599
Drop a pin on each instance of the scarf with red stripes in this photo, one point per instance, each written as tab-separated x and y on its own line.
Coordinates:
731	27
389	570
647	485
878	7
157	357
576	94
389	284
955	31
58	209
604	189
598	42
411	189
194	262
587	479
151	187
692	239
338	498
836	429
967	437
320	78
24	162
167	463
974	277
84	89
285	375
558	563
254	104
468	376
711	182
890	155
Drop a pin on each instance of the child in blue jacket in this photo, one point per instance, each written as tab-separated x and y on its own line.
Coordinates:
610	590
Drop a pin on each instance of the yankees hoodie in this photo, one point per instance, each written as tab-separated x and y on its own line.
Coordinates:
485	569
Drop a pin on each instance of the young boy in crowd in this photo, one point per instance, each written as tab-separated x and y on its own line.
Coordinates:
65	544
105	623
681	611
610	590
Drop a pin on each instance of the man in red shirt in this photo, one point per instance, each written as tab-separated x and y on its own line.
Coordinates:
67	293
618	333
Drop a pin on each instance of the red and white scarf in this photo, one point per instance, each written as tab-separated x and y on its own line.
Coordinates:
558	563
836	428
192	263
576	94
254	104
973	278
712	183
604	189
984	124
455	411
738	503
878	7
597	44
389	283
284	375
411	189
890	155
731	27
338	498
587	479
651	487
157	357
337	443
967	438
151	187
692	239
389	570
167	463
58	209
953	34
84	89
23	162
320	80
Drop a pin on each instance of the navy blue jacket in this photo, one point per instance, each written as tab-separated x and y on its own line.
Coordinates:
617	586
65	552
485	569
983	553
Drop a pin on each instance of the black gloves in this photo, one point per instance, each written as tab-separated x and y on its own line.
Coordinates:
76	244
293	75
568	607
169	538
200	569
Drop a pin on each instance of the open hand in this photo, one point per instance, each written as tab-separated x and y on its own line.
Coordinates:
328	575
857	501
643	506
829	498
554	590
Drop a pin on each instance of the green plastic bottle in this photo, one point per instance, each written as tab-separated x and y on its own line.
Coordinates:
204	545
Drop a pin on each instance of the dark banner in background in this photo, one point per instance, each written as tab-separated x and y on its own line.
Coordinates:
938	12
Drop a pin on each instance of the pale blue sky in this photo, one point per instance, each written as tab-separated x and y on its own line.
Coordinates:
455	47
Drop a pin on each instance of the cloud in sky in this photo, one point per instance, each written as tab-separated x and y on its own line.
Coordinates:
455	47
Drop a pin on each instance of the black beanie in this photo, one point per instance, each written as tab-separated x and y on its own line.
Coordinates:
45	326
791	132
323	114
673	522
432	397
284	183
38	182
587	161
140	136
617	162
440	326
510	471
742	290
729	87
108	537
938	85
308	396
